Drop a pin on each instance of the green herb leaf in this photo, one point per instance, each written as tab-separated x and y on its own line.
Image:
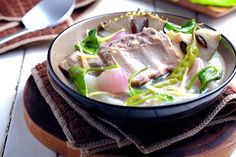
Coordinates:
209	74
77	75
186	28
219	3
91	43
206	75
134	91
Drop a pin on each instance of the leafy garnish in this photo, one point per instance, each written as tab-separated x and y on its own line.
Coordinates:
206	75
77	74
188	27
91	43
134	91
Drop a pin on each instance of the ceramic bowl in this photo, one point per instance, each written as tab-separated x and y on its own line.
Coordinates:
63	46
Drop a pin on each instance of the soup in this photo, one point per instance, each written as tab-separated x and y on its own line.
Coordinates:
140	59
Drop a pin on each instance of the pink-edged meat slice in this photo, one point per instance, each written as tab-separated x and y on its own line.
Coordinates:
149	48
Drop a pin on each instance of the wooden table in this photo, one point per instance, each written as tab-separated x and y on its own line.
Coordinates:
15	138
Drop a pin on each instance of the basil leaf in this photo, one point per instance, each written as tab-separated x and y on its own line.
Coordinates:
219	3
77	75
186	28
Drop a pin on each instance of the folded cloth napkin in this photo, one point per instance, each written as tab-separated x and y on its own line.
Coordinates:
92	134
12	11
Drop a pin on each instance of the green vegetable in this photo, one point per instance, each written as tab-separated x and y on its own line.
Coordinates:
184	79
170	81
188	27
206	75
158	97
77	75
188	60
175	77
91	43
134	91
219	3
141	97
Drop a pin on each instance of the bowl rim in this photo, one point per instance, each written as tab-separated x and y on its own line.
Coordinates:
167	105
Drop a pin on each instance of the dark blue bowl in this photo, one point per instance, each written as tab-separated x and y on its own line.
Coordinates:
63	46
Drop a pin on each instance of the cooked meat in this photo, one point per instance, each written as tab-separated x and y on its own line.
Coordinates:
149	48
74	59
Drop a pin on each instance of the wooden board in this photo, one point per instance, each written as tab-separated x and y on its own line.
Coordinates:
214	142
208	10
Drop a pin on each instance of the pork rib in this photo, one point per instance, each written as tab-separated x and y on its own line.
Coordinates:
149	48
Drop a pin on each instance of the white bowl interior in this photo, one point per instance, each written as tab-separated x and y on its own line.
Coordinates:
63	45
